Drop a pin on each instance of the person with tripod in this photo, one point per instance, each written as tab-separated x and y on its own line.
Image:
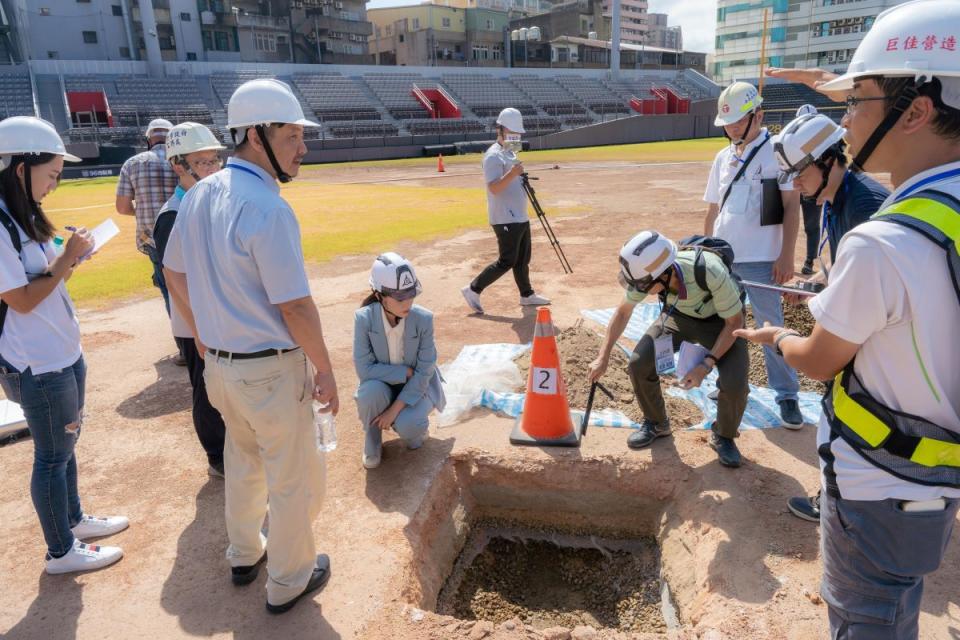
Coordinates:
507	211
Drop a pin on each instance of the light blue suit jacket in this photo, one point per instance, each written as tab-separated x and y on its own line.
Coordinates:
371	356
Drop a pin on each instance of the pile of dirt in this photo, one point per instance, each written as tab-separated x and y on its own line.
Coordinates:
546	585
578	347
795	316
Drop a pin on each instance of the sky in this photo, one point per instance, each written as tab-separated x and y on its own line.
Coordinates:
697	17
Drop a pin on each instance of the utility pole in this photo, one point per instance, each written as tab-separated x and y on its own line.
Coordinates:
316	31
615	42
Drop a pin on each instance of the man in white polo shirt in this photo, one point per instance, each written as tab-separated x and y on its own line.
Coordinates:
759	216
239	281
886	332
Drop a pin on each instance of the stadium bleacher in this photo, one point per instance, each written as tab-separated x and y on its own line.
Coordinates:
594	94
16	95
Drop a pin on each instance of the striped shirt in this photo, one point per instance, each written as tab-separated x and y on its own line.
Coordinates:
149	179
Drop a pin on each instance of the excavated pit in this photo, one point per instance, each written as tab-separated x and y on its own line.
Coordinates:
560	541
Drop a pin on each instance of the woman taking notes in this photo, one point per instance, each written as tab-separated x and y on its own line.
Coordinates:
41	363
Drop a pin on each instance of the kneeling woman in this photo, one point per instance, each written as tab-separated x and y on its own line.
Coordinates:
395	358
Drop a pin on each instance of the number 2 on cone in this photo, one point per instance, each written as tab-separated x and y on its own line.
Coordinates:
544	381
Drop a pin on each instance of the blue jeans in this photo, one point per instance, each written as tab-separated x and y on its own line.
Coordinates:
158	280
53	406
768	307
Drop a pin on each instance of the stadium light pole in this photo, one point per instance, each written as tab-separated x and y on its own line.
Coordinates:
615	41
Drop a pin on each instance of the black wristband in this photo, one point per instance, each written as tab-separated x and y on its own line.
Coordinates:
710	356
785	334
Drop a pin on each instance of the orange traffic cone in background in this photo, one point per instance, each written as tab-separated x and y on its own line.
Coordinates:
440	168
546	418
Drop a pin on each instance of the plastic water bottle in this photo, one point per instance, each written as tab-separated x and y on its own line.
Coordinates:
58	245
325	426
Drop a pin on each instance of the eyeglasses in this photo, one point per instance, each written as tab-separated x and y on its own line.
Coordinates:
208	164
853	101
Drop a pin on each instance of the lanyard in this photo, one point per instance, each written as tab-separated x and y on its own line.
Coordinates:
245	170
952	173
826	214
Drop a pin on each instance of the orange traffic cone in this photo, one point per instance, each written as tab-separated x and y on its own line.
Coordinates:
440	168
546	419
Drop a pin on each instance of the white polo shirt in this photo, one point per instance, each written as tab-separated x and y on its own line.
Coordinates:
181	329
739	221
891	293
238	242
48	337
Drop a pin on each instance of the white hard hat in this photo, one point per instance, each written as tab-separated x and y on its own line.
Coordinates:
644	258
915	39
190	137
21	135
265	101
736	102
159	123
803	142
393	275
511	119
806	110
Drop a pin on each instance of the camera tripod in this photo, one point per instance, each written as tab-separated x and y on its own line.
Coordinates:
551	236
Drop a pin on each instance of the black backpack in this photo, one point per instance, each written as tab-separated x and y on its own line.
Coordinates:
718	247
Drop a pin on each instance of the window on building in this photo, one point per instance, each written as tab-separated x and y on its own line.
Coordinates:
445	22
83	1
53	55
191	55
90	37
185	16
489	25
497	52
45	11
166	43
124	52
222	41
117	10
401	37
266	42
207	41
416	23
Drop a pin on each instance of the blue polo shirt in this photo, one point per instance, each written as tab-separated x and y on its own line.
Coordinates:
858	198
238	242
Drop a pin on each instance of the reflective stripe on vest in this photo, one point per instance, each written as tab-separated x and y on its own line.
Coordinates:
906	446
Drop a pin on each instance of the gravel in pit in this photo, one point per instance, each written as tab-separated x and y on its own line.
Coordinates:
797	317
578	347
545	585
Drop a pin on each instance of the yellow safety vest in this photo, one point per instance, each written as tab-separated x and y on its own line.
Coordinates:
907	446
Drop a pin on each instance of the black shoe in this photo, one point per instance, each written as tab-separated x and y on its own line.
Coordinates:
807	269
790	414
245	575
726	450
805	508
647	433
320	577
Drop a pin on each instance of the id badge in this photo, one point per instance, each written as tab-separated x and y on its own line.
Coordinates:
739	198
663	348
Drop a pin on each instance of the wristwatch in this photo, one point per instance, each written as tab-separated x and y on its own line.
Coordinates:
779	339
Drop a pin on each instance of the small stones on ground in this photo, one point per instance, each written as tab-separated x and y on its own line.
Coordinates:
481	630
583	633
416	615
556	633
812	596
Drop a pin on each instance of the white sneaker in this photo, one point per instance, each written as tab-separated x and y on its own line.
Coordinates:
472	298
94	527
533	300
84	557
371	462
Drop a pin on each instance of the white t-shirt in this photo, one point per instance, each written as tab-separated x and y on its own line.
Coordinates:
510	205
891	293
48	337
739	221
394	337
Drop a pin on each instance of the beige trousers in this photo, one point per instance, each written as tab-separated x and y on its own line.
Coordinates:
270	457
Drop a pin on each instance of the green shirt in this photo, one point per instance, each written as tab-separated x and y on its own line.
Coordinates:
726	294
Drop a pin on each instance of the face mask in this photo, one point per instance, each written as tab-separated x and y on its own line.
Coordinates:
513	142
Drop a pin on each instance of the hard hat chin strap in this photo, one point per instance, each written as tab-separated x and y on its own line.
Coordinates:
282	175
745	131
825	169
186	167
904	100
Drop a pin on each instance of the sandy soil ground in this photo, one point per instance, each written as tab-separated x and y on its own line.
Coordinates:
746	577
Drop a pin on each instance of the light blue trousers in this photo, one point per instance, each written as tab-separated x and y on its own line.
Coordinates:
768	307
373	398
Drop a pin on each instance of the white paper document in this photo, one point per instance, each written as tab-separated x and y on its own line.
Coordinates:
689	357
102	234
